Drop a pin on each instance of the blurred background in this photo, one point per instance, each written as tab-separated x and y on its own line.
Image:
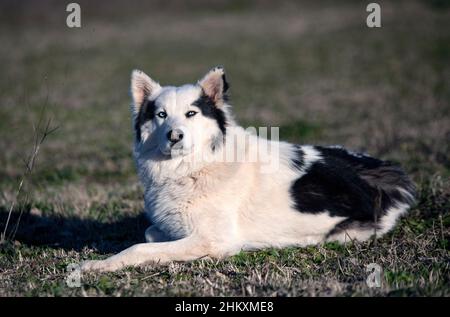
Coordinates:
313	68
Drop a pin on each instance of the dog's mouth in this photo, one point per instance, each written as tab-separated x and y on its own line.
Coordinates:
175	150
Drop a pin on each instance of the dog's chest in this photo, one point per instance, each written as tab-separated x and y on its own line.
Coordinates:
168	206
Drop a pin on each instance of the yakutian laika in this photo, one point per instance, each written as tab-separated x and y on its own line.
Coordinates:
203	205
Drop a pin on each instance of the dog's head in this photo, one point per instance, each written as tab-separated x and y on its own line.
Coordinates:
173	121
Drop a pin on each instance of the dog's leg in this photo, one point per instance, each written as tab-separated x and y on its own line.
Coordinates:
153	234
185	249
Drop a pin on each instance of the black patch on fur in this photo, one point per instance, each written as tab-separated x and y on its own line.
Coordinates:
298	161
210	110
226	86
355	186
146	113
349	224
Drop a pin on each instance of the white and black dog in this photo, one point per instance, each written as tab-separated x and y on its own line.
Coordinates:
202	203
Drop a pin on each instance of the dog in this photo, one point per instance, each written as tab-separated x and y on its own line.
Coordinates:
202	205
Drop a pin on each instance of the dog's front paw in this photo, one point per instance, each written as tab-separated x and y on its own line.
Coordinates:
97	265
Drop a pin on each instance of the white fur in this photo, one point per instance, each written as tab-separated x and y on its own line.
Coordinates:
212	207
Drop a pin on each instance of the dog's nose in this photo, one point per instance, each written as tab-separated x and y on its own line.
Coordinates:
175	136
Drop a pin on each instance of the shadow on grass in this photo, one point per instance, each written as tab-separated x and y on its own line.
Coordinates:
72	233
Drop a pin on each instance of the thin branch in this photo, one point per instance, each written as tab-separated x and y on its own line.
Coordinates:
38	140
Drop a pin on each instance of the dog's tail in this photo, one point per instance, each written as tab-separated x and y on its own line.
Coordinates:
391	193
396	193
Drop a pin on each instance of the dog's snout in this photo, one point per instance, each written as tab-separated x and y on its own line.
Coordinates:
175	135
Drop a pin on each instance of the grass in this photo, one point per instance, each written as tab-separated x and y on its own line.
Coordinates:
316	72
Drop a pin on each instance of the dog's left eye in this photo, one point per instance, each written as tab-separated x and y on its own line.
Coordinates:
190	114
162	114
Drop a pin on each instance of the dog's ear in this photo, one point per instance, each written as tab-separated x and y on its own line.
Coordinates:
215	85
142	87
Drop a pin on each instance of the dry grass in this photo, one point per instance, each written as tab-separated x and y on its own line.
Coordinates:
318	72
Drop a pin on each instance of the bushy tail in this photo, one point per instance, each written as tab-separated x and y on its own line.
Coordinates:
396	193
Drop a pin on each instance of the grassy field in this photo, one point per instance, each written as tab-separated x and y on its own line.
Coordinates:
315	71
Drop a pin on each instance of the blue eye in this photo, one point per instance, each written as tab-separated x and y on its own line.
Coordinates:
190	114
162	114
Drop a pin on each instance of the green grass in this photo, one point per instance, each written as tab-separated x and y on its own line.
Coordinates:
316	72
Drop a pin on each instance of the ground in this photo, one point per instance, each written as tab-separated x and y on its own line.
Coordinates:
317	72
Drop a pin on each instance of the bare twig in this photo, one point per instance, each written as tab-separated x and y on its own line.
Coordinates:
39	138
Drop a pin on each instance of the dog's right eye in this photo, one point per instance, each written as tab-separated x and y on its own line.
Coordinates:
162	114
